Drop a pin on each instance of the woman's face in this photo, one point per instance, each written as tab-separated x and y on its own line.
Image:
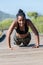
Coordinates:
21	21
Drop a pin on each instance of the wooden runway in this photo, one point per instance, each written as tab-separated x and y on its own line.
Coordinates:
21	55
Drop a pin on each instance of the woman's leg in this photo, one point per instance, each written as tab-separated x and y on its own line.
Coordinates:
16	40
27	40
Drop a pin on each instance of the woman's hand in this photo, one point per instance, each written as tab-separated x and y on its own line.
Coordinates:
35	46
11	48
14	48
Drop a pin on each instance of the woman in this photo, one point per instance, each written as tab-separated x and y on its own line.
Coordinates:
21	25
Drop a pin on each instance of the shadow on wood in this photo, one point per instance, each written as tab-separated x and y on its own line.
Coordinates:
30	45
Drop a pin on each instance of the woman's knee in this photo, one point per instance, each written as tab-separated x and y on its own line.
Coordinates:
27	39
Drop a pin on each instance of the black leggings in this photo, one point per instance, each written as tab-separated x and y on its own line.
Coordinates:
25	40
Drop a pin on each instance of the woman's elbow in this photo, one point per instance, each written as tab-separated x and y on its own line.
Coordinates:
37	33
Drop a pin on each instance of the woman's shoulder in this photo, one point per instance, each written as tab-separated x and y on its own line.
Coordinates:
28	20
15	21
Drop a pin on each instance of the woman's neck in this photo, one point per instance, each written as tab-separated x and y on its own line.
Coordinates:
22	28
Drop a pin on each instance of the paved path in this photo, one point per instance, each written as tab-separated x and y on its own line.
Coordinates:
21	55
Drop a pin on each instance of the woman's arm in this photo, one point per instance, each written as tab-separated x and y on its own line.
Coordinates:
35	32
13	25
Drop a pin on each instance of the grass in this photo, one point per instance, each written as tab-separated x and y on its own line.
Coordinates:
38	22
5	24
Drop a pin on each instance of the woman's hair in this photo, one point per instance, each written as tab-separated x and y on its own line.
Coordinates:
21	13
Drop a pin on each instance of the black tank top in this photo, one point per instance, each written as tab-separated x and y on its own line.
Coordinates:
22	32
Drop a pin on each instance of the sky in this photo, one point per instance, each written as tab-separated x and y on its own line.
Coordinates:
12	6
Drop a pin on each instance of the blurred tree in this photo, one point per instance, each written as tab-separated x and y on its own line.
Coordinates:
32	14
